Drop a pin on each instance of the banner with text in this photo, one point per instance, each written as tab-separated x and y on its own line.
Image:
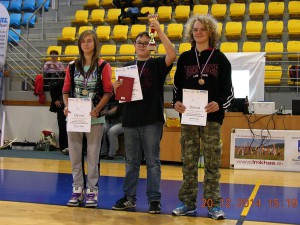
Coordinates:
265	150
4	26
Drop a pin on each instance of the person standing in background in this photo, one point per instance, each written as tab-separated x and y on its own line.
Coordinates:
202	68
52	69
87	77
57	106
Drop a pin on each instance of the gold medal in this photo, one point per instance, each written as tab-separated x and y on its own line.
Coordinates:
84	92
201	81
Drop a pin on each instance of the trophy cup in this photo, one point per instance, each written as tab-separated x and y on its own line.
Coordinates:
152	33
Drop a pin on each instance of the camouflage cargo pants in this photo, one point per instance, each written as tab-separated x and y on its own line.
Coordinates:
190	151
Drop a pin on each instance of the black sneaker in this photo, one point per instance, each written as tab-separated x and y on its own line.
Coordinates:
154	207
123	204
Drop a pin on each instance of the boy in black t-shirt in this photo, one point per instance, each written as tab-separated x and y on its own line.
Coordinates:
143	121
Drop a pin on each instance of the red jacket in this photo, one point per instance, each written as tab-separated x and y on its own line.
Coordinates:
39	88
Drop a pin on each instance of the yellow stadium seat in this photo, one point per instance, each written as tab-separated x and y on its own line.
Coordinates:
136	29
71	53
174	31
294	9
107	3
218	11
120	33
144	10
113	74
237	11
274	29
256	10
103	32
250	46
273	75
294	28
162	27
161	49
293	74
112	15
276	9
110	50
183	47
293	46
67	34
233	30
170	78
126	53
254	29
229	47
84	28
182	13
164	13
97	16
81	17
91	4
50	48
220	28
200	9
274	50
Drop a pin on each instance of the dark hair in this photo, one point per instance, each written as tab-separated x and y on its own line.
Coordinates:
141	34
53	52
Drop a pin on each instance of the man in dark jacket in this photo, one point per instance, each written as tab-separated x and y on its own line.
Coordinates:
57	106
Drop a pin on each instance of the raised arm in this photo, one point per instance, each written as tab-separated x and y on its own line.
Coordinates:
170	50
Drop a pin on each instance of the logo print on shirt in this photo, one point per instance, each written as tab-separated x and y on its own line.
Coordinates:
210	69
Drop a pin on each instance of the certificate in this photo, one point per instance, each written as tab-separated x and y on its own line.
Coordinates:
79	118
194	102
132	71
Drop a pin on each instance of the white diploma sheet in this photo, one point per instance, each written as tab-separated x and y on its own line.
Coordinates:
131	71
79	120
194	102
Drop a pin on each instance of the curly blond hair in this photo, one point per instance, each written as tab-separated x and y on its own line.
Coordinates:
210	24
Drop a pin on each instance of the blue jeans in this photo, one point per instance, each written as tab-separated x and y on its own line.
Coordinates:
138	140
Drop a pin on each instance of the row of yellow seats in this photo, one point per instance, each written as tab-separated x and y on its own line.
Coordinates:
233	30
274	50
254	29
98	16
95	4
182	12
108	51
256	10
119	32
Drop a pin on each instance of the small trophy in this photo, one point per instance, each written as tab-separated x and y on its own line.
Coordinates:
152	33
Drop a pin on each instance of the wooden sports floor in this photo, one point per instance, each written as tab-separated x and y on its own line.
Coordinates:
35	191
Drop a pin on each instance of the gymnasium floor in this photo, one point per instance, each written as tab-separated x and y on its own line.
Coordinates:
34	189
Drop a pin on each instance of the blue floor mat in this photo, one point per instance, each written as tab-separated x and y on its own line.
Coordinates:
53	188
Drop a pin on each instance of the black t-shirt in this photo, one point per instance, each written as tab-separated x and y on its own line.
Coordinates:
152	73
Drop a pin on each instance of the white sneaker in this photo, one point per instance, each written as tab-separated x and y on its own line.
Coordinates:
77	197
91	198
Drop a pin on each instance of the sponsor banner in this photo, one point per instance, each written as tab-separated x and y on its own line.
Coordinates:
4	26
265	149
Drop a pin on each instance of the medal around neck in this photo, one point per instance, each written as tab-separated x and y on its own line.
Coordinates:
84	92
201	81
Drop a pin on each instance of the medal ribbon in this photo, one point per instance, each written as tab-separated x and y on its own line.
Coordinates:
205	63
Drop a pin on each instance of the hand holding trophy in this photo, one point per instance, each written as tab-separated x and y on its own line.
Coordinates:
152	33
